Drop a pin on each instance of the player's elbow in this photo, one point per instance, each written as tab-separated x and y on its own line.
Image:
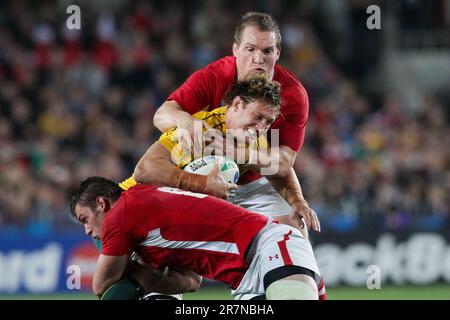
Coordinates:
157	119
98	288
163	115
139	172
143	171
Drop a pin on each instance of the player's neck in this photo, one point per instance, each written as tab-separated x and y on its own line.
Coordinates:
228	116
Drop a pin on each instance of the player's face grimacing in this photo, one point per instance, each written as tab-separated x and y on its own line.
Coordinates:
257	51
92	221
249	120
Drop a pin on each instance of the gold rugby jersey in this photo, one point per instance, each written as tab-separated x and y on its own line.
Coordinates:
169	139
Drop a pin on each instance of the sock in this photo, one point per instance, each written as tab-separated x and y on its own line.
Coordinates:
291	290
161	296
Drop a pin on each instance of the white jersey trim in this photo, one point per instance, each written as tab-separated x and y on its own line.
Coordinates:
155	239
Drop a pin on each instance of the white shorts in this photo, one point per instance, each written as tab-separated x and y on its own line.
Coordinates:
276	245
259	196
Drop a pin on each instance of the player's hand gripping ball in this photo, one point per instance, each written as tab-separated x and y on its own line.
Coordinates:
228	168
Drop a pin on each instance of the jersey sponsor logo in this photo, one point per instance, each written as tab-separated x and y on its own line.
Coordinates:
276	256
197	165
155	239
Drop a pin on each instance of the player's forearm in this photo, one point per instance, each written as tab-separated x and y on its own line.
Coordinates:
99	288
109	270
165	281
178	282
168	115
288	187
275	161
156	167
163	173
153	171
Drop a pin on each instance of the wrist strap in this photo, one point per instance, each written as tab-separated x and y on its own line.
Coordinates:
188	181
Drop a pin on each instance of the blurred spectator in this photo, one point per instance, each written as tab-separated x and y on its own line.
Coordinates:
81	103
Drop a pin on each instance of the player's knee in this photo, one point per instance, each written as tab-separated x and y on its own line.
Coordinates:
296	287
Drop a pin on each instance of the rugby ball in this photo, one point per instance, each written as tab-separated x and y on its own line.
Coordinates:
203	166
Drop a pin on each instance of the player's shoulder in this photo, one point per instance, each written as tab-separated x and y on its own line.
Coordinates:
287	78
125	211
139	189
224	63
292	89
215	113
116	214
134	199
223	68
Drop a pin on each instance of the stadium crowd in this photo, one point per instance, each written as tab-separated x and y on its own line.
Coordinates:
76	103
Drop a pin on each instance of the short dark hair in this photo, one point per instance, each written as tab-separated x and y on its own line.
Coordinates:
263	21
91	188
256	86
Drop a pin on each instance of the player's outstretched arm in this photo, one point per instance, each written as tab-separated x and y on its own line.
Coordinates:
276	161
289	188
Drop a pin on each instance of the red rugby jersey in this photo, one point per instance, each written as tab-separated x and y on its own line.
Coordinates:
205	88
181	229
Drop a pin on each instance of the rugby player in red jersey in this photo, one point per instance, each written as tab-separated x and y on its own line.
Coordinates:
182	230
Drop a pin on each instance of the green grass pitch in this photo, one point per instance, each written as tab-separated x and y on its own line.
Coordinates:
435	292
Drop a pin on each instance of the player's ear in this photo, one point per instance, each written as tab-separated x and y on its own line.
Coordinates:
235	104
103	204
